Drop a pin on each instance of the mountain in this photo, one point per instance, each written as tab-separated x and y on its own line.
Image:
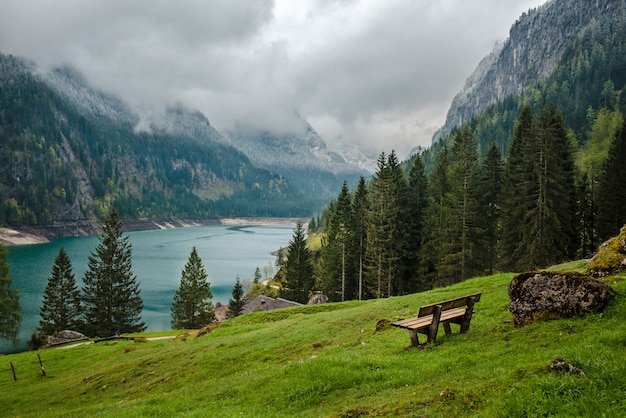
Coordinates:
537	43
69	152
303	157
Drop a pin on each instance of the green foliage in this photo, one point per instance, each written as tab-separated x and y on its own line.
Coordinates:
192	307
237	302
611	200
462	232
110	295
60	308
337	270
539	202
10	317
490	190
298	278
386	234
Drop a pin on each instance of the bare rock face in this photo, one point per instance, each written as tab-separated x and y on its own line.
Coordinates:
536	296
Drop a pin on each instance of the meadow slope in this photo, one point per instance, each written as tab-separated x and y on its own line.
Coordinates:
329	360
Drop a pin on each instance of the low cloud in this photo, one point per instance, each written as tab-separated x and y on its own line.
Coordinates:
378	75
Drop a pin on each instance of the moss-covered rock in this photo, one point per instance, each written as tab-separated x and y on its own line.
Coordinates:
611	256
539	296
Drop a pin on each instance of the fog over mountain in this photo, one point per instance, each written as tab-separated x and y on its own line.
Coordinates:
378	75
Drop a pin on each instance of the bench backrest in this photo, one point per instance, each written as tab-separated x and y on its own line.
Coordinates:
448	304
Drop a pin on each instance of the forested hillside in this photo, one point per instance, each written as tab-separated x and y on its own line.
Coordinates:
533	180
69	159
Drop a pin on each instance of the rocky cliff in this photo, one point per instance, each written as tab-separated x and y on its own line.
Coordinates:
536	43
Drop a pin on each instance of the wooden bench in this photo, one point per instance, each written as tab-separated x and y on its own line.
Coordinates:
456	311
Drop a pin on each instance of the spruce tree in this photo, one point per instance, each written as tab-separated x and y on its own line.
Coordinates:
337	261
387	233
110	295
490	189
298	279
60	308
517	194
237	302
192	307
611	199
10	317
360	209
257	275
418	203
461	228
437	216
539	201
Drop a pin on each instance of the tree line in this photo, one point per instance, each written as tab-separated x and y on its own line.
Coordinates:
404	231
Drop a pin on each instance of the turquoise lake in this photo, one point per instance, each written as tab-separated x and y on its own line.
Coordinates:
159	257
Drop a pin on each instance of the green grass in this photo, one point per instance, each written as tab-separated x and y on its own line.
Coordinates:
329	360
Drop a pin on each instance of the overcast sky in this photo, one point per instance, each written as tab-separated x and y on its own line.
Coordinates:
379	74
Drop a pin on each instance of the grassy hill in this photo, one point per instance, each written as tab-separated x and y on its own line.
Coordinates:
329	360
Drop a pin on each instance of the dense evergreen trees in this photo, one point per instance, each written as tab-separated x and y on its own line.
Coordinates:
111	296
192	307
298	279
472	215
60	309
539	197
611	199
10	317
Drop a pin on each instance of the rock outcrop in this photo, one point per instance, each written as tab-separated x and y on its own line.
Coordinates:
317	299
536	296
66	336
536	43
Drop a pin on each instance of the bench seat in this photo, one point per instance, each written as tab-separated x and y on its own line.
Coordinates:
458	311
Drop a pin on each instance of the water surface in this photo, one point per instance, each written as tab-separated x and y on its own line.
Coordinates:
159	257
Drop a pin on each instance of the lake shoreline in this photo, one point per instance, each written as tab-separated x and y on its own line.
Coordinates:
40	235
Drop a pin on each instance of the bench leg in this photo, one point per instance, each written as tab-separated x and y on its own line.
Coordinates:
434	327
446	327
415	342
465	322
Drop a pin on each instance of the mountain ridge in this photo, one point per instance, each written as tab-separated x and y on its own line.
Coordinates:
533	49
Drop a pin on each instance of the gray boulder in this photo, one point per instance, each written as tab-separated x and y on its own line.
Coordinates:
537	296
65	336
317	299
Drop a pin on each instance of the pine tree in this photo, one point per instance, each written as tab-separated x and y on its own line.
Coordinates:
387	233
462	227
111	296
298	278
257	275
490	189
611	199
539	201
436	221
337	261
10	317
517	191
360	209
237	302
192	307
60	308
418	204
